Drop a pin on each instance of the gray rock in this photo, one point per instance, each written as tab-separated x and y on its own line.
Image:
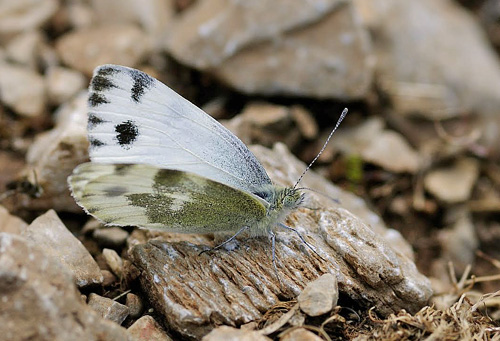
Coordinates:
24	15
453	184
135	305
25	48
10	223
54	153
85	49
107	308
152	15
147	329
439	69
109	278
111	236
265	124
63	84
320	296
233	334
194	292
40	300
49	232
314	48
374	144
114	261
22	89
459	242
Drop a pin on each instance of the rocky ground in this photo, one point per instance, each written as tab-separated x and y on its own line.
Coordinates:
406	222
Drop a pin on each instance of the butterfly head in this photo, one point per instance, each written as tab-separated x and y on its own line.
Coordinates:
290	198
281	198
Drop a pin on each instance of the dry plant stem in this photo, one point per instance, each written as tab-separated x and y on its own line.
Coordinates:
121	295
482	279
484	298
493	261
280	322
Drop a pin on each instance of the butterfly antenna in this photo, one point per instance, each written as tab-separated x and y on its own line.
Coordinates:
344	112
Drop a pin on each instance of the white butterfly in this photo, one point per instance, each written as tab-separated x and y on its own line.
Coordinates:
160	162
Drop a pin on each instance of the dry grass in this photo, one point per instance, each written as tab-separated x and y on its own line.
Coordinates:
460	314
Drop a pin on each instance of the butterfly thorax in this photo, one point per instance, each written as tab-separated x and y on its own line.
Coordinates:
281	200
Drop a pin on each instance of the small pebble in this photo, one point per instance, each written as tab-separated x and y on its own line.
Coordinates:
114	261
108	308
135	305
112	237
319	296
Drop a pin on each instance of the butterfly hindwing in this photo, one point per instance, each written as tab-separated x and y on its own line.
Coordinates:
155	198
133	118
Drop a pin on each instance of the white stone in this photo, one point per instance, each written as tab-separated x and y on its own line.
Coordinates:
22	89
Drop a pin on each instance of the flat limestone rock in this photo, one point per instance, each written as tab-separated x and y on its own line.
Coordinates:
377	145
439	70
311	48
194	293
453	184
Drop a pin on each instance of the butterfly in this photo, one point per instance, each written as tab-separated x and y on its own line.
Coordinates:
160	162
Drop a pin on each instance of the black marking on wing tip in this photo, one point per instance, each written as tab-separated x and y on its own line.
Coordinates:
101	82
94	121
114	191
96	99
95	143
142	82
107	70
127	133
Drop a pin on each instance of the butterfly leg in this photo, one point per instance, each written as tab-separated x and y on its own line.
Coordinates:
227	241
273	246
301	238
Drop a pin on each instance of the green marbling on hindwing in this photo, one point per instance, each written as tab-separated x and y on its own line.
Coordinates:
186	201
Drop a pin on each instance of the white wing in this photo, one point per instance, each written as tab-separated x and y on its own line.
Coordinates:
134	118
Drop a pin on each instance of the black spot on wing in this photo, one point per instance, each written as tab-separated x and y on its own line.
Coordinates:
96	99
94	121
127	133
95	143
142	82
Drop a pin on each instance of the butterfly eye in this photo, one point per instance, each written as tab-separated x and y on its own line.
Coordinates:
290	200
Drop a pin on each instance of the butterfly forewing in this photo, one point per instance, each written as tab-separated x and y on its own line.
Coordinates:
133	118
155	198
